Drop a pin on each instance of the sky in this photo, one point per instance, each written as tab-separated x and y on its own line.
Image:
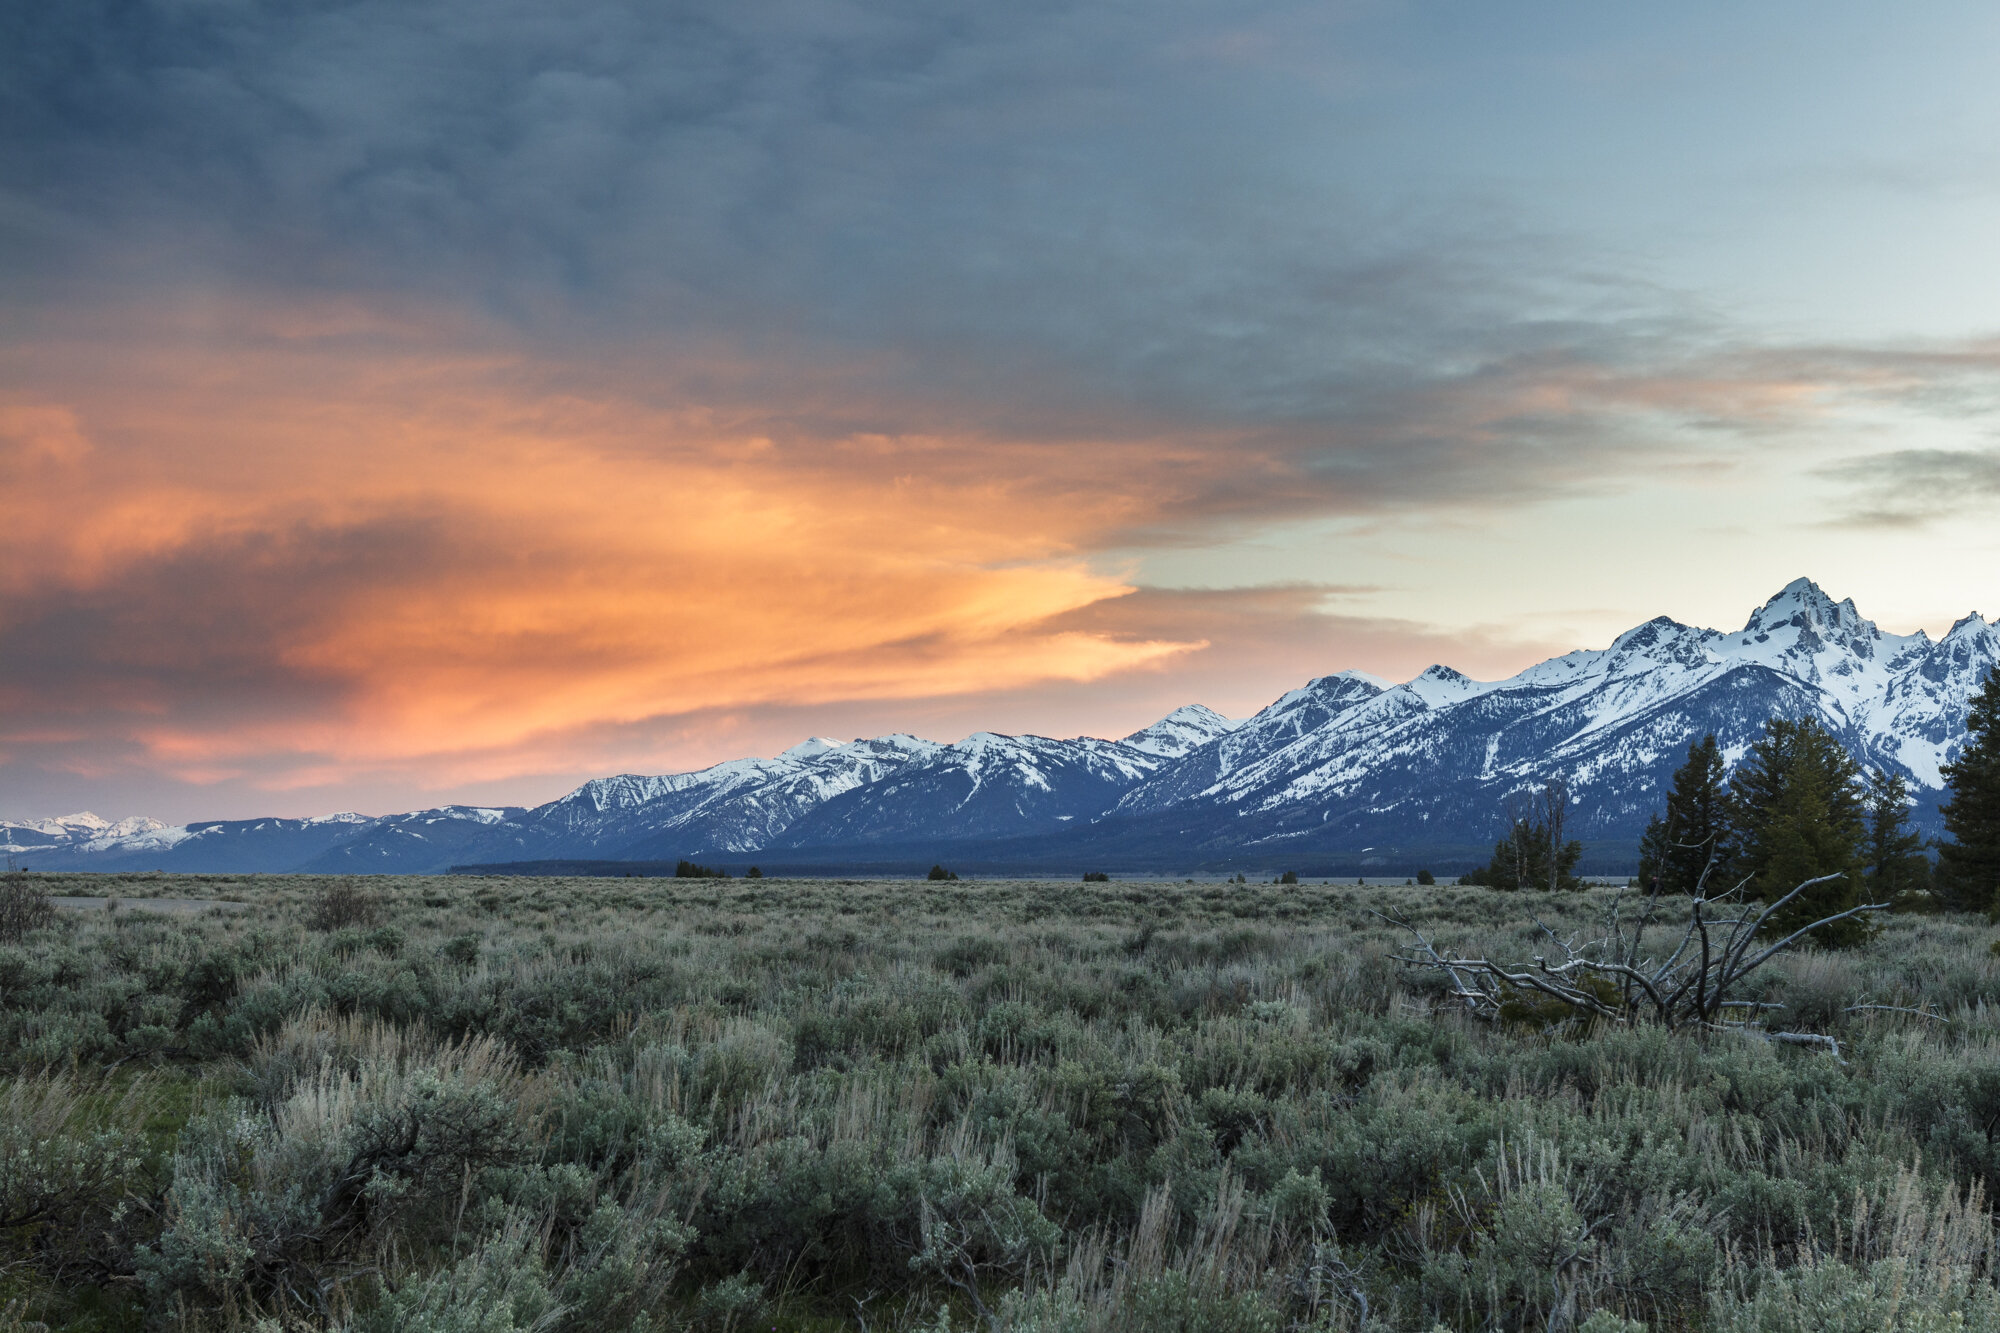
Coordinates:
405	402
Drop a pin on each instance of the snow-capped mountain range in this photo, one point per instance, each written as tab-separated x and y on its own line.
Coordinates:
1347	771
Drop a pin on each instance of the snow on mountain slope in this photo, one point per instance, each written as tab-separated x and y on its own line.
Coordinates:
135	835
71	830
1297	713
1347	761
1441	751
746	818
419	841
1920	720
1186	728
985	786
214	846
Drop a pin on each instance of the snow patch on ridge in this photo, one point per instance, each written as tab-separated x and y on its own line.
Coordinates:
1188	727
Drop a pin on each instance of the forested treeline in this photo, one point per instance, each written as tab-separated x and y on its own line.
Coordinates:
1798	807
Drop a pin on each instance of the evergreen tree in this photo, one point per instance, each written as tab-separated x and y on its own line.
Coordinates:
1695	829
1527	859
1895	851
1798	803
1968	871
1653	844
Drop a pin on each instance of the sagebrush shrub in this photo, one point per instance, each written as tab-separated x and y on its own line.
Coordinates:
340	905
583	1105
66	1178
500	1287
24	906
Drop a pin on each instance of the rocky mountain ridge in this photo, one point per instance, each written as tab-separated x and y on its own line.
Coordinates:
1346	770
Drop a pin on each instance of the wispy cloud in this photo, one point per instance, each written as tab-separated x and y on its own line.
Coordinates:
1911	487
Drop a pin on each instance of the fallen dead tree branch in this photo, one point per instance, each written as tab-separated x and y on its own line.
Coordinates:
1612	978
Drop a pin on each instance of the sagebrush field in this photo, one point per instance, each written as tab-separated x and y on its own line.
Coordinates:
492	1104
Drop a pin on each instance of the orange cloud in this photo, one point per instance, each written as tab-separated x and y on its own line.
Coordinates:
35	435
282	544
371	557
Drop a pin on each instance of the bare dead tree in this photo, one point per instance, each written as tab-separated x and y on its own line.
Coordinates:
1520	828
1613	978
1555	812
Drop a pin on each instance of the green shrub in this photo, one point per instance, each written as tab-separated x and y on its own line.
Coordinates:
735	1301
261	1198
460	950
500	1287
969	953
341	904
66	1178
1159	1105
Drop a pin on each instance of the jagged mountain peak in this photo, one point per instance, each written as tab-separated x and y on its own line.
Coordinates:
631	790
1968	626
125	828
1804	605
1801	594
1804	633
1197	713
1655	633
895	748
1438	751
1026	749
82	822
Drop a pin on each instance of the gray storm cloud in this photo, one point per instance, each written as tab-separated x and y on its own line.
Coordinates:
1054	221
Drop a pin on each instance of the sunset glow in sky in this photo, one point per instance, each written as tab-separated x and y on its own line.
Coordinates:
410	401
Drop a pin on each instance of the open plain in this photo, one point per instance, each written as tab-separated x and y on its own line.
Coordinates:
456	1103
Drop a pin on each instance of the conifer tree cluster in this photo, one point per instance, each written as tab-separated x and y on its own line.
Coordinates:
1798	815
1968	869
1897	865
1798	808
1694	830
1528	858
1534	854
